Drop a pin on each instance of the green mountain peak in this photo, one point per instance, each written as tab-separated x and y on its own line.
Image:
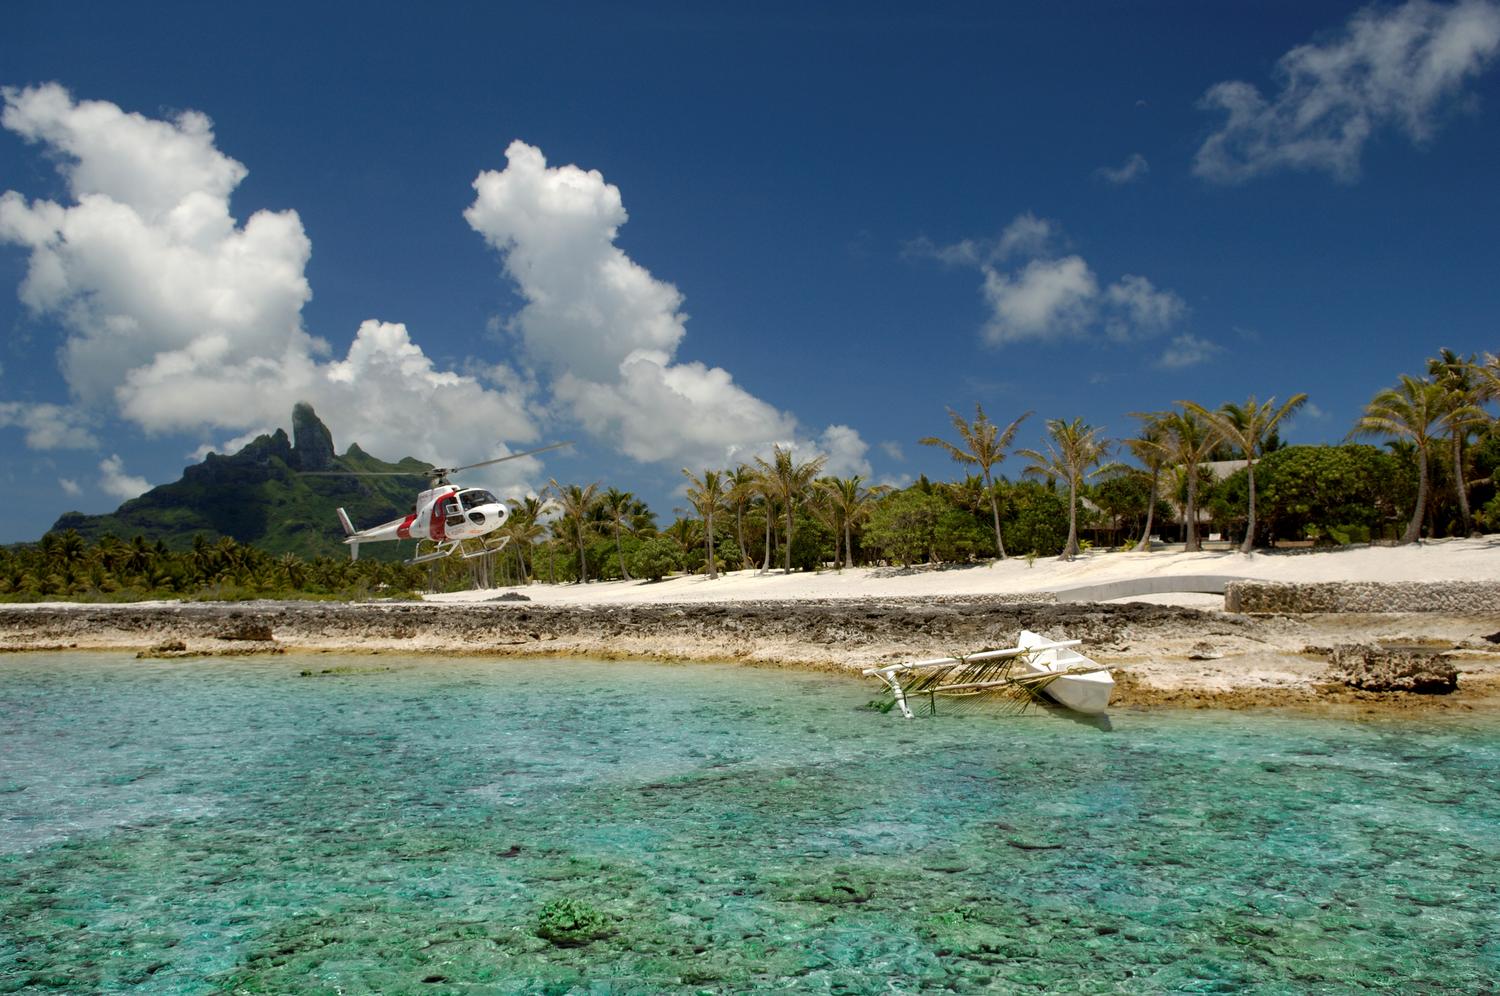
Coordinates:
259	496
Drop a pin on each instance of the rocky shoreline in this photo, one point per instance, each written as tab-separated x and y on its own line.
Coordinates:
1165	655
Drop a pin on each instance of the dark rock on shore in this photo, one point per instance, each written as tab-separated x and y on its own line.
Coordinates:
1385	669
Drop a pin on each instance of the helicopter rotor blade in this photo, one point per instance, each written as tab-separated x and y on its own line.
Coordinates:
512	456
435	472
365	473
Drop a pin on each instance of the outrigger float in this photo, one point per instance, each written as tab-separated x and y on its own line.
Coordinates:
1035	666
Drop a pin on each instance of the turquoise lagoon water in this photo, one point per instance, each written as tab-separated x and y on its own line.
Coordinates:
417	825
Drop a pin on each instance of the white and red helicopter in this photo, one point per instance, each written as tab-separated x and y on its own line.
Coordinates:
446	515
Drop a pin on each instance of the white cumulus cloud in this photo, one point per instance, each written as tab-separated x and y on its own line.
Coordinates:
1188	350
1138	308
49	426
69	486
1392	68
1046	299
1132	169
179	318
114	481
1048	296
608	331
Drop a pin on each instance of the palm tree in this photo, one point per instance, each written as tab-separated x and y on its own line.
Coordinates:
576	504
1489	377
771	507
1073	450
1464	391
849	501
739	493
1149	447
616	506
141	556
985	445
524	528
685	533
1247	427
789	481
1188	441
706	494
1407	412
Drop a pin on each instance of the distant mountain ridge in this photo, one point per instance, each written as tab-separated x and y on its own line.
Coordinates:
259	496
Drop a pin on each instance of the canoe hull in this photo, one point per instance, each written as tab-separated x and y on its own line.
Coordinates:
1086	693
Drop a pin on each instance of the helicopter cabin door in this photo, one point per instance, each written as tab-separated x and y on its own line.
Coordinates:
446	512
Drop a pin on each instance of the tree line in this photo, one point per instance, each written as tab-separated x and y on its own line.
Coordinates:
1195	470
1434	476
64	565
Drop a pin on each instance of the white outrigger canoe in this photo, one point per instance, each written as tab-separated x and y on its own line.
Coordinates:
1081	684
1034	664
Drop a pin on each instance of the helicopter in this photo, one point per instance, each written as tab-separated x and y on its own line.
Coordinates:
445	515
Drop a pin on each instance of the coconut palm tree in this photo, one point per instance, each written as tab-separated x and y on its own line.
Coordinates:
706	494
983	444
616	505
1149	447
1074	450
1488	372
1188	440
789	481
1247	427
1407	413
1464	390
849	501
576	504
524	528
770	507
739	493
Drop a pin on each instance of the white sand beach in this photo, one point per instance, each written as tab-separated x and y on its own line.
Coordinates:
1472	559
1183	649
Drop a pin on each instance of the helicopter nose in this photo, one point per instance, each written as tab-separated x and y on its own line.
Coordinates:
488	515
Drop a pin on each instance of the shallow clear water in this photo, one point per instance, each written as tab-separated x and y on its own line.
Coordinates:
402	825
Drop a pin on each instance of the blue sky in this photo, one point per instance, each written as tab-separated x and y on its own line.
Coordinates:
697	232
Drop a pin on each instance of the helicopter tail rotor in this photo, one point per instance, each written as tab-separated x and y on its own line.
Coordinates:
350	536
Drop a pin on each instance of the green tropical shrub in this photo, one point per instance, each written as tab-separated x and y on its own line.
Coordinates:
655	558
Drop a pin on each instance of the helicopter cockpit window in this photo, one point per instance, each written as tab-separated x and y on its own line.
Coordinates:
475	498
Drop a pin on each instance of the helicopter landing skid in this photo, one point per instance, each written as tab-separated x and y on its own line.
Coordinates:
447	549
487	547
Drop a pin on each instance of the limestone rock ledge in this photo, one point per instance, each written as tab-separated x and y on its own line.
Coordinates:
1392	669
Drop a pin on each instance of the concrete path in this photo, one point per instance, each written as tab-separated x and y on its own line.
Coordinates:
1211	584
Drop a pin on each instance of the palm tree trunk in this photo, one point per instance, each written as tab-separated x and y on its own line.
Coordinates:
1459	485
620	552
995	511
1071	550
708	540
1145	543
789	528
1414	527
765	567
739	534
583	565
1190	543
848	545
1249	543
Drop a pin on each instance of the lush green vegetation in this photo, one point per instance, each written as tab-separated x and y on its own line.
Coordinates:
239	526
66	566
